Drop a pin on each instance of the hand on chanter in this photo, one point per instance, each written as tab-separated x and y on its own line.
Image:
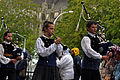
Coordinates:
13	60
58	40
105	58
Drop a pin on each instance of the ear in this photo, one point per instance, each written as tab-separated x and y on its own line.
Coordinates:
5	37
87	28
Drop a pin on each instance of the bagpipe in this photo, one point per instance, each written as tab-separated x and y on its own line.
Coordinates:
82	16
3	24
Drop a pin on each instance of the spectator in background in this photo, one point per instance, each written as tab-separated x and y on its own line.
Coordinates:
116	72
77	63
65	65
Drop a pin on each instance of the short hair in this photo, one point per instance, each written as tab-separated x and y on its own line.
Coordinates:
46	24
89	23
5	34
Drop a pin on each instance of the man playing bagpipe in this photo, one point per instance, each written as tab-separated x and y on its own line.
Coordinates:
10	52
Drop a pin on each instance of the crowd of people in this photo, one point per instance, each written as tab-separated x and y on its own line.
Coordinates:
57	62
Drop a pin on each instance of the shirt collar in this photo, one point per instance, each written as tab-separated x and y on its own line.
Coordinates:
46	37
7	42
91	34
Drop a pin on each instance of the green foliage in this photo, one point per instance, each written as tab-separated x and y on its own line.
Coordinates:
105	11
21	16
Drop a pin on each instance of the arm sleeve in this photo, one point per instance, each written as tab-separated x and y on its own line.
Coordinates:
59	50
65	60
42	50
3	59
62	62
85	44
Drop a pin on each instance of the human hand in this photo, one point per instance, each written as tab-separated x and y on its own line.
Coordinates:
58	40
105	58
13	60
110	54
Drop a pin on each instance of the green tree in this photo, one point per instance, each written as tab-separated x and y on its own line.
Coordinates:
107	12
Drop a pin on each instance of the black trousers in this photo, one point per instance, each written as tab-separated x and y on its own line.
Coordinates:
88	74
4	72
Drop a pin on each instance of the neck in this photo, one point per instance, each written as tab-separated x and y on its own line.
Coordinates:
47	35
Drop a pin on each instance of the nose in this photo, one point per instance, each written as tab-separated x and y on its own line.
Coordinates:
95	29
10	38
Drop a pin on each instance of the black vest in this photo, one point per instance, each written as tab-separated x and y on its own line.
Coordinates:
94	43
9	53
51	59
8	50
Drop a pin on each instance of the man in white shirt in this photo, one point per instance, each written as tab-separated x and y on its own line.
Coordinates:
8	57
91	55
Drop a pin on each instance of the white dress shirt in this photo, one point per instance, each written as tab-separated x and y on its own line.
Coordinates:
3	59
86	46
44	52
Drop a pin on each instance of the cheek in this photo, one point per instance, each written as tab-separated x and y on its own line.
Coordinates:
50	31
92	30
96	29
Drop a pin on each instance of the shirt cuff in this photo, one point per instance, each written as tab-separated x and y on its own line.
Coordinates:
100	56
